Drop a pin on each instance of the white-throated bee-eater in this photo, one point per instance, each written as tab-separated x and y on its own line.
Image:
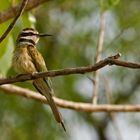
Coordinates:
27	59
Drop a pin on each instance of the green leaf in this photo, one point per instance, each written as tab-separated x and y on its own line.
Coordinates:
3	47
5	61
26	21
107	4
3	44
4	4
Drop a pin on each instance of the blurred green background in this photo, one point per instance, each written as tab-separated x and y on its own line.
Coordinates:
75	26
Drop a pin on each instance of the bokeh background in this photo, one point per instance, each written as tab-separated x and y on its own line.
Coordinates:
75	26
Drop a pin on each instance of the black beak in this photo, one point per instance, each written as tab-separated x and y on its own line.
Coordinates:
43	35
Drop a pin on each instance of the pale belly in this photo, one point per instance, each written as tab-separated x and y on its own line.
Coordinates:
22	62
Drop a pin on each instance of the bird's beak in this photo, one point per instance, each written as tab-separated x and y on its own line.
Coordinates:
43	35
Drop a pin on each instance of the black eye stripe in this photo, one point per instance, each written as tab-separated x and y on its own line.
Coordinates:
27	34
27	40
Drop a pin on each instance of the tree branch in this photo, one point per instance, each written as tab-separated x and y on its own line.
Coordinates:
80	70
85	107
21	9
11	12
98	56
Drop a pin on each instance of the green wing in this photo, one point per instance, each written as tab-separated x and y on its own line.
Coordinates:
37	59
43	85
39	63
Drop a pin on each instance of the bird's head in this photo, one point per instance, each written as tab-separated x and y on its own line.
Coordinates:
29	36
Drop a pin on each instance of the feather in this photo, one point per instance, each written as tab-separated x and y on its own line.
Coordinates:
43	85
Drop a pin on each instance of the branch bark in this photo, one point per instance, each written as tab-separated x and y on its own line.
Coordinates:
11	12
80	70
98	56
85	107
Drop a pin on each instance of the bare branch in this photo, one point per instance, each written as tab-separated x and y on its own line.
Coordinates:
85	107
108	93
11	12
23	5
98	56
68	71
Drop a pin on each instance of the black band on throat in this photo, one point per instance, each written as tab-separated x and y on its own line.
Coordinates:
27	40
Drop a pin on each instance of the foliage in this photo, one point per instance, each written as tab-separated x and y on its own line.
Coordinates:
75	26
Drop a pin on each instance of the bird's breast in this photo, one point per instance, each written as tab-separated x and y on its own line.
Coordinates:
22	61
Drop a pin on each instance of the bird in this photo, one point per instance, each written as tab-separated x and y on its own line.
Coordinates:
28	60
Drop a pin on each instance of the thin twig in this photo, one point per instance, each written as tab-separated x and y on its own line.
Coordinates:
114	39
23	5
68	71
78	106
98	56
112	114
11	12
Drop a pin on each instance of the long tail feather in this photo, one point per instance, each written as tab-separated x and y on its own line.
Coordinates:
43	87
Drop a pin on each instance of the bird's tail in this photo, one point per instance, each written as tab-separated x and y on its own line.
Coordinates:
43	86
